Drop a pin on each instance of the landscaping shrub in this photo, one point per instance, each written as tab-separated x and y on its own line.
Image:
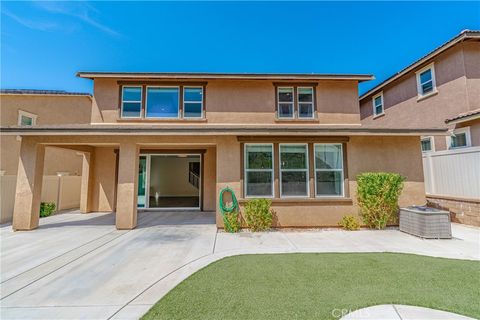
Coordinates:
47	208
349	223
258	215
377	196
232	221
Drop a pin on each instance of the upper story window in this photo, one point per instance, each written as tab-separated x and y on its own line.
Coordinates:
378	104
295	102
459	139
305	102
193	102
427	144
131	102
426	81
285	102
26	119
162	102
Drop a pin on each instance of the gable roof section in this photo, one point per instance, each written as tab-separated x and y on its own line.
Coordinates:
226	76
464	35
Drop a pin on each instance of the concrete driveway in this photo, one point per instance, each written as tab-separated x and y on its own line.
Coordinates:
79	266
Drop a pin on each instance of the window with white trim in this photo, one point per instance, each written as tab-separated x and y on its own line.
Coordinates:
329	180
426	81
192	102
427	144
294	170
305	102
285	103
26	119
131	102
460	138
258	161
378	104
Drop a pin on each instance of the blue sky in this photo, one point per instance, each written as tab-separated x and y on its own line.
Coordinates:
43	44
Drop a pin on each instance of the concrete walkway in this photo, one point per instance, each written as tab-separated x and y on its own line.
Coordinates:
401	312
79	266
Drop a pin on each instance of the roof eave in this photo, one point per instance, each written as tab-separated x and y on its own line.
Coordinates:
226	76
188	131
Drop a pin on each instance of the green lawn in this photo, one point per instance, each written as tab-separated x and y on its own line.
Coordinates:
310	285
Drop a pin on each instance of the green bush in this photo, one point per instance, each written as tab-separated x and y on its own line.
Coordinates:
258	215
377	196
349	223
47	208
232	221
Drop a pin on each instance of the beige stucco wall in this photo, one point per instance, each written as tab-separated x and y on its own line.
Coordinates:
222	168
392	154
104	187
50	109
471	53
242	102
457	74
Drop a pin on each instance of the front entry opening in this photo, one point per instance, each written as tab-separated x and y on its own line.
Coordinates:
169	181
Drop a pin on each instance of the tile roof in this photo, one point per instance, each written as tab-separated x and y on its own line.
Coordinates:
464	115
43	92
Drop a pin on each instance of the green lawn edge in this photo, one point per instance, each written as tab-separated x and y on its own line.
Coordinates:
311	285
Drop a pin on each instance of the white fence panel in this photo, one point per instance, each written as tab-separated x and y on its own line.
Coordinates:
454	173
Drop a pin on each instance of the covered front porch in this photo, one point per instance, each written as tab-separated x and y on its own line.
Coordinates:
124	175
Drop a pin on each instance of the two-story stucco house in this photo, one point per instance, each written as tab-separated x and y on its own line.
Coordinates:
29	108
174	140
440	90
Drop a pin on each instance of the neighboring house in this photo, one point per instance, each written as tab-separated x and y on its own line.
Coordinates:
31	108
163	141
440	90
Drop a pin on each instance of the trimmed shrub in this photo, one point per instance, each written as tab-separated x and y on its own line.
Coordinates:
232	221
377	196
349	223
258	215
47	209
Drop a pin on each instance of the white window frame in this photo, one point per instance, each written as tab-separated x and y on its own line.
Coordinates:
432	143
245	171
294	170
338	170
162	118
375	114
468	138
420	93
279	102
27	114
131	101
187	101
304	103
